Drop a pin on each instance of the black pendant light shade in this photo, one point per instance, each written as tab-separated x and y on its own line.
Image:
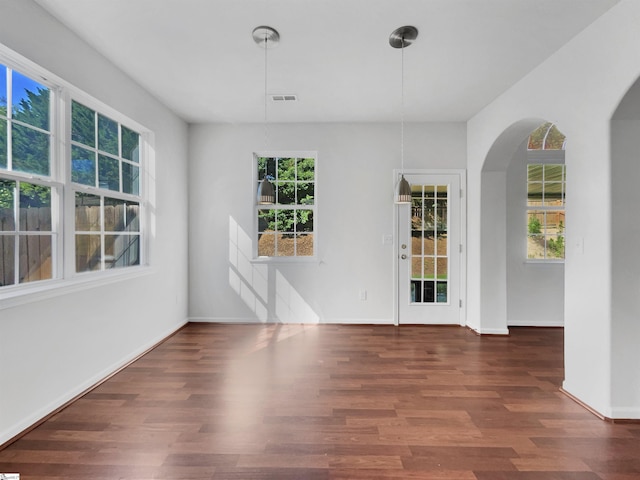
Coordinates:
403	191
266	192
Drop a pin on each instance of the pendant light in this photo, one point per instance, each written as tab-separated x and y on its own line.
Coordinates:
265	37
400	38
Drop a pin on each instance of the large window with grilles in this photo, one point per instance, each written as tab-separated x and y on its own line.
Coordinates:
72	189
287	228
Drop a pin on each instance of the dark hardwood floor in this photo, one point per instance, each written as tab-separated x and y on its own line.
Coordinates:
288	402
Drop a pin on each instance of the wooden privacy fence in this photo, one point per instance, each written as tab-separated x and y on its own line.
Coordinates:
33	250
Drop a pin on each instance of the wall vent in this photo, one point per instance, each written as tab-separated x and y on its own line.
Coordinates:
284	98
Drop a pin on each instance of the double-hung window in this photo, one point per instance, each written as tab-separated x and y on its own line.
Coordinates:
29	193
546	186
287	228
105	175
71	181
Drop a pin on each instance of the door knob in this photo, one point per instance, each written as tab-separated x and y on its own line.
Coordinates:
403	256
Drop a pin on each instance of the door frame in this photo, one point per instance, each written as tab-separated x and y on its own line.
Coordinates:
462	173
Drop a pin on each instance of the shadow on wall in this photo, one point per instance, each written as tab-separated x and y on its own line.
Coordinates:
263	288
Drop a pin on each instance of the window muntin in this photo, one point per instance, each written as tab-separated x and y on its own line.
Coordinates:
287	228
104	153
546	196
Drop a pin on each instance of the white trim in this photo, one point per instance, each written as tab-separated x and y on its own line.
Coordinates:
15	295
491	331
254	175
273	321
462	173
525	323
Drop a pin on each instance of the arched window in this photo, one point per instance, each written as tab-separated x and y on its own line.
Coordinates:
546	194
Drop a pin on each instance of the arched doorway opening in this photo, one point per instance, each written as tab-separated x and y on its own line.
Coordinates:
516	278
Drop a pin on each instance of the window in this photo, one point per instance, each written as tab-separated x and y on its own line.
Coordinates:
105	156
28	236
91	189
287	227
545	211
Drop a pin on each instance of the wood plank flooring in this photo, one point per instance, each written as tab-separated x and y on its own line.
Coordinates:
329	402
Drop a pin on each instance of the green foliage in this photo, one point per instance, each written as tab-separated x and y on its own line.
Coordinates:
535	226
556	247
294	180
30	148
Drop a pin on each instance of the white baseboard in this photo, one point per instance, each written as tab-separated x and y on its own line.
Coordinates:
55	404
541	323
329	321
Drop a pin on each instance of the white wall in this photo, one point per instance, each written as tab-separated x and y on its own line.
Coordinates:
355	210
578	88
625	156
535	291
53	349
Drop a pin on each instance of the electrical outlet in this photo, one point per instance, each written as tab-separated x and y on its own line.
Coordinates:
363	294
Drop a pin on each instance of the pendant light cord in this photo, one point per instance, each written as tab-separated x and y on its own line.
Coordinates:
266	137
402	108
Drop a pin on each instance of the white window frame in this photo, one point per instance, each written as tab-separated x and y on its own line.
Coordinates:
64	277
284	259
543	157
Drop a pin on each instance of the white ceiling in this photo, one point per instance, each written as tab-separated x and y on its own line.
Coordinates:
199	58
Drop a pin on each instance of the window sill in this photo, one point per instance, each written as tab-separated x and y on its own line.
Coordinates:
17	295
545	261
286	260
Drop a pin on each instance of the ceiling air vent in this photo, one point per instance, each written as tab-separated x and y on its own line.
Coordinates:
284	98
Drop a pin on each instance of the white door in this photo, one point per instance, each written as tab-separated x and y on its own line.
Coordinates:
429	251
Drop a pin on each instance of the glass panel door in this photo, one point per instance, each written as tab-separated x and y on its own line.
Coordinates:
429	251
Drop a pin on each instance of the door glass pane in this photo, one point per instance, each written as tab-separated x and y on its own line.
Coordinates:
429	268
442	268
441	292
441	248
416	267
429	224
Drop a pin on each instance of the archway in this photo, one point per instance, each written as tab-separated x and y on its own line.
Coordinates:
625	256
509	283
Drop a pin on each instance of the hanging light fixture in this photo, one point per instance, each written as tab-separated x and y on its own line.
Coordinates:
400	38
265	37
